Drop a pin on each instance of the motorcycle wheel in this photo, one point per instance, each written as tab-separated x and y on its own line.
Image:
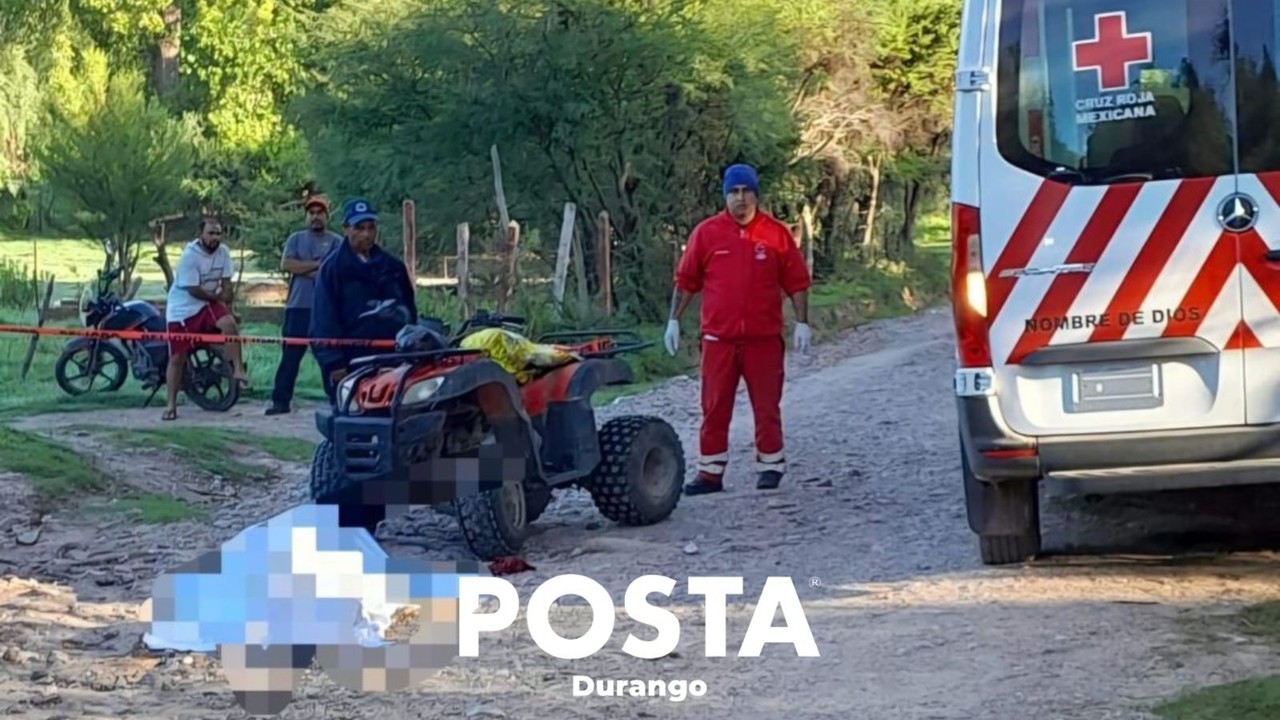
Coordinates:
209	381
112	365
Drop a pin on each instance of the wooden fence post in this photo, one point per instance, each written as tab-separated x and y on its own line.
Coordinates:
604	260
410	240
44	313
580	273
464	267
562	255
507	288
504	218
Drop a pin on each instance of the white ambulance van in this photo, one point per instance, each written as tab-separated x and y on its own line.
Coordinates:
1116	262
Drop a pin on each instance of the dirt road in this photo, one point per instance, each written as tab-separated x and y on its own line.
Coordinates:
869	524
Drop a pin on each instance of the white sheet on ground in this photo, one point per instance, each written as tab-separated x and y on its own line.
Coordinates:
296	579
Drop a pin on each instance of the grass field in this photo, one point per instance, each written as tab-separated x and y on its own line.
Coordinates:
75	262
58	474
39	391
212	451
1254	699
55	471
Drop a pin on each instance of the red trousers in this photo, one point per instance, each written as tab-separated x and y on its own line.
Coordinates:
760	363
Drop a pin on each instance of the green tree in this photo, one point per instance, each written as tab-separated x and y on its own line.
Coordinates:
914	69
122	158
617	105
19	117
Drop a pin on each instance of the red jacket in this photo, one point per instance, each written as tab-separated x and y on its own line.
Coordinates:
743	273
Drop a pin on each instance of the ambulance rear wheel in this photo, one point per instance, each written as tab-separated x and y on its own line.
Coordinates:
1008	549
1005	516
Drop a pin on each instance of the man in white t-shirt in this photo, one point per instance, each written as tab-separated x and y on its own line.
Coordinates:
199	302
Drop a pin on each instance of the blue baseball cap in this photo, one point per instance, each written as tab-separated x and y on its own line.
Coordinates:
357	210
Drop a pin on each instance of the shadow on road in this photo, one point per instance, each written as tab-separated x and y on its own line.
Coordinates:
1173	525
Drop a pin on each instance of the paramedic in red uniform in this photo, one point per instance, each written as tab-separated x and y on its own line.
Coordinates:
743	261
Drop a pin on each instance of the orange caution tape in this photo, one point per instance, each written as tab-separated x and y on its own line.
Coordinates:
212	339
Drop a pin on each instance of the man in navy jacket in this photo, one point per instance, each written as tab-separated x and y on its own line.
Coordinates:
354	278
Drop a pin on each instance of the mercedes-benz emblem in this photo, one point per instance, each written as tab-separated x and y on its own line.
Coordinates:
1237	212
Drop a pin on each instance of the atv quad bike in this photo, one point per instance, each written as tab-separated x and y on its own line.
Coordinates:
435	423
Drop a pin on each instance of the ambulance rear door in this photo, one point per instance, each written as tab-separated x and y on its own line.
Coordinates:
1255	218
1113	291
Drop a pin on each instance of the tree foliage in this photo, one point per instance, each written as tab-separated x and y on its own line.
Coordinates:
630	107
123	159
627	107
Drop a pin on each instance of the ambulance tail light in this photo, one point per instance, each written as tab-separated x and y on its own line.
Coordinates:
969	288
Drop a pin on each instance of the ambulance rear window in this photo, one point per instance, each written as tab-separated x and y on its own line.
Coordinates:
1098	91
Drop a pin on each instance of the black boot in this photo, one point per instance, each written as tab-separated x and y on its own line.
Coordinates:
768	480
703	484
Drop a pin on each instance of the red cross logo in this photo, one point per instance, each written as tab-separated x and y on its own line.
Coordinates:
1111	51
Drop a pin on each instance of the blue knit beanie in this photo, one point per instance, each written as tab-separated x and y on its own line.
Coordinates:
737	175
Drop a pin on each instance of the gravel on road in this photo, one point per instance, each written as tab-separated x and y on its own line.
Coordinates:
1129	607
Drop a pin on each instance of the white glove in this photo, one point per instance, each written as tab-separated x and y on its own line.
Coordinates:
672	337
803	337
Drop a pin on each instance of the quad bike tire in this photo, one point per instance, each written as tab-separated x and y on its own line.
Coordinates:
115	355
496	523
641	472
536	501
325	479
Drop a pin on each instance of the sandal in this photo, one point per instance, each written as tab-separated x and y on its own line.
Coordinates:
169	415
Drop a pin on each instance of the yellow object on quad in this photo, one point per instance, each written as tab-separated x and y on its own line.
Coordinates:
517	354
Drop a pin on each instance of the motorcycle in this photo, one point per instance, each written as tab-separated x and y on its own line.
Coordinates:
208	381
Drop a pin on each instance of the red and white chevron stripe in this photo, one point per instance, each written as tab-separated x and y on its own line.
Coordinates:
1156	248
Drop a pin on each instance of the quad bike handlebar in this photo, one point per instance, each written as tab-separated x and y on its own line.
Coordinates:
484	319
429	338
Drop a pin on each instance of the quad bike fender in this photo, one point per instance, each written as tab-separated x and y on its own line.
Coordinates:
560	403
578	381
596	373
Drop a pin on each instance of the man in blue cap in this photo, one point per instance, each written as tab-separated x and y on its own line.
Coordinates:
743	261
355	277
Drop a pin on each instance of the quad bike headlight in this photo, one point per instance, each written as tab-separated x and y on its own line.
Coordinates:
420	391
344	389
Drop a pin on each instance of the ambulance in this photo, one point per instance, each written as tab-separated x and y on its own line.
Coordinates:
1116	259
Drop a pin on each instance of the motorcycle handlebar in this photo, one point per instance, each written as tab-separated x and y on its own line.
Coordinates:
107	278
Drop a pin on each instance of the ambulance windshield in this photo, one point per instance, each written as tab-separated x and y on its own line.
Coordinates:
1100	91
